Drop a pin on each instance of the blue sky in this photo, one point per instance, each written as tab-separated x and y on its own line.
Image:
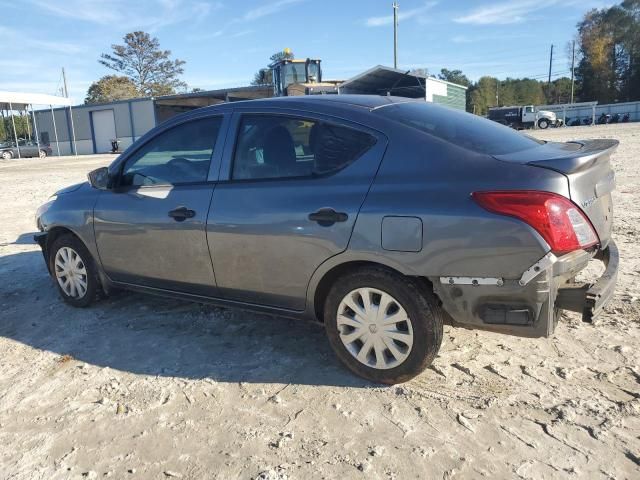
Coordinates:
225	41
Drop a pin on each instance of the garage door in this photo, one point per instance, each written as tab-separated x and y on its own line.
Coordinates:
104	130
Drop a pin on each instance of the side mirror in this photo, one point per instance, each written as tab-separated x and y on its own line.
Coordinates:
99	178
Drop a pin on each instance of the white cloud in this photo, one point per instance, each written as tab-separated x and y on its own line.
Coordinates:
503	13
249	16
268	9
126	14
402	15
28	41
493	37
95	11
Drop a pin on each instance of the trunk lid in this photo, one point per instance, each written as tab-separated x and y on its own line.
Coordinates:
586	165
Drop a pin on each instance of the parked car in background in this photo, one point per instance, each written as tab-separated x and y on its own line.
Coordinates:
524	117
28	148
381	217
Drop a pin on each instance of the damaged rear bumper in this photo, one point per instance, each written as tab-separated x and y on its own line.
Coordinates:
589	298
529	306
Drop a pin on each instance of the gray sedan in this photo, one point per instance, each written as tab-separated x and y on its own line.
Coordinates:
381	217
25	149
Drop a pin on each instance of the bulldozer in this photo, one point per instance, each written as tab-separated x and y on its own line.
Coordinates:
291	77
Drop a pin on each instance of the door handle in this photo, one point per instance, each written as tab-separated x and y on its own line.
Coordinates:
181	213
328	216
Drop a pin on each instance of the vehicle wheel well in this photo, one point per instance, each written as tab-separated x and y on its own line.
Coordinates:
57	232
329	278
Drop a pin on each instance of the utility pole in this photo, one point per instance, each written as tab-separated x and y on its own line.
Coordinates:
64	83
497	92
395	34
573	61
550	64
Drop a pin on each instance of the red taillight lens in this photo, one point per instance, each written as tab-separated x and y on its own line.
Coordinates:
557	219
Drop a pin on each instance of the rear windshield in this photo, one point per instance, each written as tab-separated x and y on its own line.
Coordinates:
459	128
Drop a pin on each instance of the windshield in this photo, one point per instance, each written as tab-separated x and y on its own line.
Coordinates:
294	73
460	128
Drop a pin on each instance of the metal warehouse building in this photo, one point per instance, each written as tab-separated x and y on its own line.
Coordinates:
96	125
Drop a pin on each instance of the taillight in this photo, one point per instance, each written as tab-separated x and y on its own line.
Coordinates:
557	219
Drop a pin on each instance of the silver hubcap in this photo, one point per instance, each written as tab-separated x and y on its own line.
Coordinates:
71	272
43	154
375	328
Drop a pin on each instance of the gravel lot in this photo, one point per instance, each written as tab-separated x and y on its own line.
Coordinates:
141	387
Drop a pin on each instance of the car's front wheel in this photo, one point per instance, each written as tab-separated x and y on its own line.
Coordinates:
42	154
382	326
543	123
71	265
7	155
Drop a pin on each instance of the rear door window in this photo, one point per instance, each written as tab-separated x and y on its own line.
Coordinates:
278	146
459	128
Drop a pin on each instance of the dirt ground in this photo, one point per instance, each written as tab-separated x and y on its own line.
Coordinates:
140	387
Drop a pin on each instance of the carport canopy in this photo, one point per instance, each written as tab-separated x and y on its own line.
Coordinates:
16	101
381	80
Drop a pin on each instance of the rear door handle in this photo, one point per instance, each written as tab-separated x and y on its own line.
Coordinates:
181	213
328	216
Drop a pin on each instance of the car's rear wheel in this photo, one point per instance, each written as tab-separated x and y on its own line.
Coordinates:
71	265
42	154
7	156
382	326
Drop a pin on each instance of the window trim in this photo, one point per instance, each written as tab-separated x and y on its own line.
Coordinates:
308	116
214	159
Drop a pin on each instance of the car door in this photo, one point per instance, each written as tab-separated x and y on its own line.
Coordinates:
27	149
33	150
150	227
528	115
290	190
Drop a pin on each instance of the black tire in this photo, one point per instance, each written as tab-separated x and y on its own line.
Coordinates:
92	281
421	307
543	123
42	154
7	155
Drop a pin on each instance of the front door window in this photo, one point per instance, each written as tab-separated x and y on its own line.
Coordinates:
177	156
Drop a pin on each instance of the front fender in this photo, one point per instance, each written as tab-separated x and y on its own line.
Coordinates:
72	210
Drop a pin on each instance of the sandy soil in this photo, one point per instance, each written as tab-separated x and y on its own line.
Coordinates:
140	387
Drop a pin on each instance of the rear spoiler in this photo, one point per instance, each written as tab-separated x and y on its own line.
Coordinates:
587	154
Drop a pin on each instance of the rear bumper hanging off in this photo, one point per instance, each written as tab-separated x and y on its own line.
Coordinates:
590	298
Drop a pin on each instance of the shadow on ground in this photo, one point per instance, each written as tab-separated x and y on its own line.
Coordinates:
23	239
151	335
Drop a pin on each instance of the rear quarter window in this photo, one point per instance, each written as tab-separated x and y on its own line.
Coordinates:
459	128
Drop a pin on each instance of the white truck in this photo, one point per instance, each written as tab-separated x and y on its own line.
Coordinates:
523	117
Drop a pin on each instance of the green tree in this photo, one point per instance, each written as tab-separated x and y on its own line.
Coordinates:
558	92
23	126
454	76
483	95
151	69
609	53
110	88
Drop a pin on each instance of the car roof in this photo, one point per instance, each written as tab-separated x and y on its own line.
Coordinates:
369	102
